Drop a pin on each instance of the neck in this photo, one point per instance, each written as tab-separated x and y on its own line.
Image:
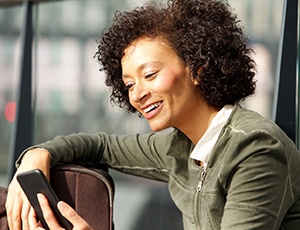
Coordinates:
198	122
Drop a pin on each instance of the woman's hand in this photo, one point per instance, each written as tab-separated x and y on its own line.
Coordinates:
68	212
17	204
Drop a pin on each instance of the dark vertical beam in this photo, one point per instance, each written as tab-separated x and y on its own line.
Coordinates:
298	88
22	133
285	91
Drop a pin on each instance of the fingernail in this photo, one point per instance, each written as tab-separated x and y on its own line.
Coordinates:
39	196
62	205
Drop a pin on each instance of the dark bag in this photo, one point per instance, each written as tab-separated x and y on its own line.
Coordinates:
89	191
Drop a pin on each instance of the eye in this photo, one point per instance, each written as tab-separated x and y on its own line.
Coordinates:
150	74
129	85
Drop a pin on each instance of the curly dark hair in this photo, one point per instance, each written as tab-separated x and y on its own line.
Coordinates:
205	34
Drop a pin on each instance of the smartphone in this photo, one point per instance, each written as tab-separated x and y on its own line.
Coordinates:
34	182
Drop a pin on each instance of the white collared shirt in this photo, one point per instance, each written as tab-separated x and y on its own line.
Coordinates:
204	147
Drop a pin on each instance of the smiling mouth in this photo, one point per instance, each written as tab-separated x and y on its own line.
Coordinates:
152	107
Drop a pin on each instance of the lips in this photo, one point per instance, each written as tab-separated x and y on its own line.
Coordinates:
152	107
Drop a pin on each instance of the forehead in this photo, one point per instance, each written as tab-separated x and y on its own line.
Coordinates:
148	52
147	46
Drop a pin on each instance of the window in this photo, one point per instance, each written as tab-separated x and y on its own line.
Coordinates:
70	95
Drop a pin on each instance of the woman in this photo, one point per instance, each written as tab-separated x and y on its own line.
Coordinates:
186	66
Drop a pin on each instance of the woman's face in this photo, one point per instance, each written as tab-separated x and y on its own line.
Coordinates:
158	83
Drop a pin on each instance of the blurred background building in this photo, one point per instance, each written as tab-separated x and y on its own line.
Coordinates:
70	96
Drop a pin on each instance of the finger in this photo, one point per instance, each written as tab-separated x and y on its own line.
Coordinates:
47	212
70	214
32	220
14	217
14	205
24	214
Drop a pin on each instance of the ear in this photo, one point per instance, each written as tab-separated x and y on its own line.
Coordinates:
196	81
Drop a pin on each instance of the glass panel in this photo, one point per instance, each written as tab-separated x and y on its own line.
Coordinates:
69	84
10	24
262	23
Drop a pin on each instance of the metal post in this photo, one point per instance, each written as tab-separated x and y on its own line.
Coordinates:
285	89
297	91
22	133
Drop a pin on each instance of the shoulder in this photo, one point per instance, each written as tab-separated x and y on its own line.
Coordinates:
247	134
247	122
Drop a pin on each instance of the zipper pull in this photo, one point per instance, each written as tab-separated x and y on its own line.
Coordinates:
202	177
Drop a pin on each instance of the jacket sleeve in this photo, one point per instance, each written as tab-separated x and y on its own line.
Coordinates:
143	155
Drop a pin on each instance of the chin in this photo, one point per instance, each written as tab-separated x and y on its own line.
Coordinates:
157	128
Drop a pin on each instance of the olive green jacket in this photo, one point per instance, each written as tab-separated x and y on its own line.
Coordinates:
252	180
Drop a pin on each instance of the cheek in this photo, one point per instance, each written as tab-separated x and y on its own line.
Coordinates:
169	82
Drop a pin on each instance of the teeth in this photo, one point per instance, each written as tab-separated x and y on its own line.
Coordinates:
151	107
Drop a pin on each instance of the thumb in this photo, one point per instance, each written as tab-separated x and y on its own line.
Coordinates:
70	214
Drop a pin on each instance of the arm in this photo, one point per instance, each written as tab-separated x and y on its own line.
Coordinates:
146	155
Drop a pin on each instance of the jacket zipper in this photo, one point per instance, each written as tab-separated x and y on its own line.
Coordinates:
201	180
196	204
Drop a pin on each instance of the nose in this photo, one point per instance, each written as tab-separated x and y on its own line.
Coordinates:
139	93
